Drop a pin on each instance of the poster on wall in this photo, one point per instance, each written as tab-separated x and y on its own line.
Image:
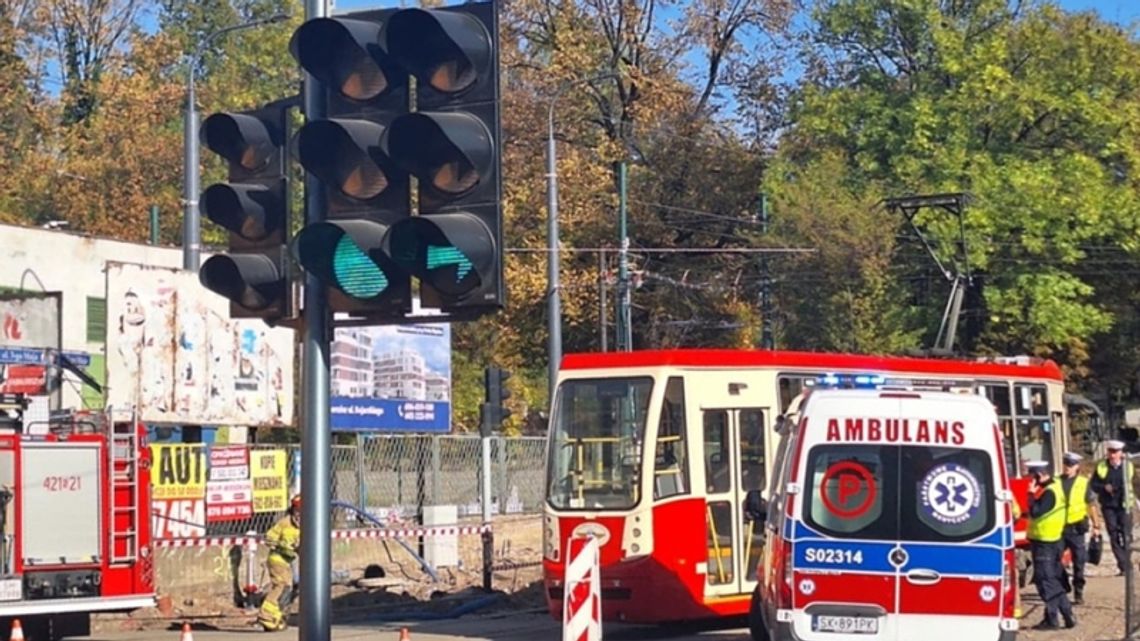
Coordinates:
394	378
178	491
270	492
173	352
229	492
30	320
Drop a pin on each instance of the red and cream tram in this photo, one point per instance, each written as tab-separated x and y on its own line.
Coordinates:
654	452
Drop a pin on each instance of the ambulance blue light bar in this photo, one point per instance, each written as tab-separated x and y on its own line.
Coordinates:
848	381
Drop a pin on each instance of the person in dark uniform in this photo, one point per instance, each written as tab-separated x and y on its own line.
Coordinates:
1078	496
1046	529
1112	483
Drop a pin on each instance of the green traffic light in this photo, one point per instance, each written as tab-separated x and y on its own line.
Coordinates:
355	272
445	256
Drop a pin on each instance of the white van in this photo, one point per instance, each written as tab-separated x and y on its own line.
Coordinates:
890	519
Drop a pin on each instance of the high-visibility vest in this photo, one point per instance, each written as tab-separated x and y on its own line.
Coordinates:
1077	508
1129	471
1049	527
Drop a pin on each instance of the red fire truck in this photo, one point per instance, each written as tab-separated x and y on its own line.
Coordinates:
74	533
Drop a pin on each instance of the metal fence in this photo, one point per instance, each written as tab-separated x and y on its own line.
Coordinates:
391	477
1131	587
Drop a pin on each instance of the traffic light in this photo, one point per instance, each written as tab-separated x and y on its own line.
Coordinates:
365	192
494	411
253	206
452	145
372	148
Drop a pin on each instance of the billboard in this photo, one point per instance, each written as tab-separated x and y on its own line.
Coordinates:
174	353
29	342
394	378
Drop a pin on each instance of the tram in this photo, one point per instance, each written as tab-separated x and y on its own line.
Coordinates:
655	453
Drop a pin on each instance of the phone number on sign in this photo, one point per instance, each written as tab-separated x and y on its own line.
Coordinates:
831	555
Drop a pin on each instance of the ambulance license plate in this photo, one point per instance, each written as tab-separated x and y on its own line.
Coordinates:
846	625
11	589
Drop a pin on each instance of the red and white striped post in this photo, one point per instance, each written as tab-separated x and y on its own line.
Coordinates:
582	603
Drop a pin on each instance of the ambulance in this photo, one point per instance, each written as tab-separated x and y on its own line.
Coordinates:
890	519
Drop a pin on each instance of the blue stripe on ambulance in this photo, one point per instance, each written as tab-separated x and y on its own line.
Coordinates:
981	557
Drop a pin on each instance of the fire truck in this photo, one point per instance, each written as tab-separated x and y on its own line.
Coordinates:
74	534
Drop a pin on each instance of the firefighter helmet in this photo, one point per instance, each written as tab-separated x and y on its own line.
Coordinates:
296	502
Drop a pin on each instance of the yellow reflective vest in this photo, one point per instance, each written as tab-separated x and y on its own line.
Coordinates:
283	539
1077	508
1129	472
1049	527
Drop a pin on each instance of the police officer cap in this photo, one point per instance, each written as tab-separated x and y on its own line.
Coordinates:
1072	458
1037	466
1114	445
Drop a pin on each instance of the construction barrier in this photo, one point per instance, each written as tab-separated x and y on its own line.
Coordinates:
582	607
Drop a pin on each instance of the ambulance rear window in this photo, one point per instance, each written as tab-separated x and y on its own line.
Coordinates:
845	493
947	494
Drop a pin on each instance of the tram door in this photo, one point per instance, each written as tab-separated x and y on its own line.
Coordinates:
735	462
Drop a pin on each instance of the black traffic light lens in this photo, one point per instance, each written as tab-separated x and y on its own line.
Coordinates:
345	154
447	51
250	211
241	139
241	278
345	54
452	152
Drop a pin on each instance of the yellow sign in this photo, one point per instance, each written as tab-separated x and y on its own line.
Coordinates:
270	484
178	472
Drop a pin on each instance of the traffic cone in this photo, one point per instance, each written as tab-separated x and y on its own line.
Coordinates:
187	635
17	631
404	636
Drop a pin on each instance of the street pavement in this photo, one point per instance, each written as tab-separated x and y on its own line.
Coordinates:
1101	619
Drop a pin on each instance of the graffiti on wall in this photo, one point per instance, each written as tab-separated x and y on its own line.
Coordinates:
173	352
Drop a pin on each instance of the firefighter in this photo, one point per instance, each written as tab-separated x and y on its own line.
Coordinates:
284	541
1046	528
1112	483
1078	497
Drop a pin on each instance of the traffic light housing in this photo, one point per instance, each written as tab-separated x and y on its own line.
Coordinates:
376	155
365	192
494	411
253	206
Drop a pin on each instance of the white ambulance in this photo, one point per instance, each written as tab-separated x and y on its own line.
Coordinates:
890	519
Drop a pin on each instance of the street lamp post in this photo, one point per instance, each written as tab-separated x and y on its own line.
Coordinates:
191	220
553	293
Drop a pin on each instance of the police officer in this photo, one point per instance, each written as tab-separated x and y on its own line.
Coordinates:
284	540
1078	496
1112	483
1046	529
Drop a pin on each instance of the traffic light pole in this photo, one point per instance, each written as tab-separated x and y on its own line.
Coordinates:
316	479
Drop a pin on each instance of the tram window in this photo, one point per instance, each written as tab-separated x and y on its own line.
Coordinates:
671	463
753	464
790	388
1008	444
1031	401
718	459
1035	439
999	396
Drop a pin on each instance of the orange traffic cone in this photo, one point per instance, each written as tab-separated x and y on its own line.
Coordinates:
17	631
187	635
404	636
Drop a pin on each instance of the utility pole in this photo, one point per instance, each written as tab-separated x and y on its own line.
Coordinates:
767	341
624	329
603	312
316	476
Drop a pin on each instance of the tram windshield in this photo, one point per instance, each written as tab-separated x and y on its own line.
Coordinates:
596	439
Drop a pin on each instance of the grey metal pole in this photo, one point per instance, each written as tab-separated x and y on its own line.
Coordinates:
625	332
553	292
485	492
191	221
553	296
316	477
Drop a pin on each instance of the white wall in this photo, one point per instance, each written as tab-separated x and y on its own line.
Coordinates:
42	260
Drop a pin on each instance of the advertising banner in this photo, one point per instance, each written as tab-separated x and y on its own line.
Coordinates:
393	378
173	352
270	482
178	476
30	320
229	492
